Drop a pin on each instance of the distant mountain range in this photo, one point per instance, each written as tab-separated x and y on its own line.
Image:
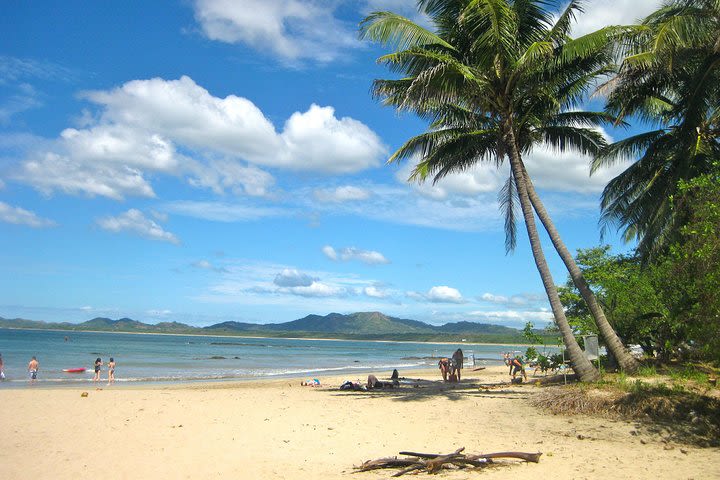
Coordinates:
361	325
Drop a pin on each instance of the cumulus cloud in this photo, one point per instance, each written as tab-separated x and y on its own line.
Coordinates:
20	216
134	221
549	169
144	126
612	12
438	294
375	292
346	193
293	278
291	29
351	253
317	289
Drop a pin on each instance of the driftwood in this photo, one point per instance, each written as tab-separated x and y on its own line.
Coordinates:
434	462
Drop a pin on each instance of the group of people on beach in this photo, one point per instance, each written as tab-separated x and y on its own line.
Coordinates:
450	367
33	368
111	370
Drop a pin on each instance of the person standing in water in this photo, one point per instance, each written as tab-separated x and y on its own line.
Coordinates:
98	364
111	371
33	368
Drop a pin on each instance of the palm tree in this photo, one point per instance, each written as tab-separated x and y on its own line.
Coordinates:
494	81
671	80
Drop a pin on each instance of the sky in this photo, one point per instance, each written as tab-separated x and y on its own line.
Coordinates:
210	160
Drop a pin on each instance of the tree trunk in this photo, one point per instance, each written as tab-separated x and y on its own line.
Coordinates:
585	370
612	341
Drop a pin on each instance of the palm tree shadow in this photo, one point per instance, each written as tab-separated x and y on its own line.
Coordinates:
421	390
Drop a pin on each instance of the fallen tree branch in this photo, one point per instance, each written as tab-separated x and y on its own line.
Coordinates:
434	462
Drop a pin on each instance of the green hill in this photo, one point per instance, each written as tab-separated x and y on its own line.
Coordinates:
360	325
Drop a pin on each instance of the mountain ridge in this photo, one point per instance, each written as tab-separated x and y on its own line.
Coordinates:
358	325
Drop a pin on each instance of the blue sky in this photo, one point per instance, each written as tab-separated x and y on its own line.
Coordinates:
213	160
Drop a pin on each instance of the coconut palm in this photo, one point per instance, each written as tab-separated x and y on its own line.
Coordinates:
497	78
671	80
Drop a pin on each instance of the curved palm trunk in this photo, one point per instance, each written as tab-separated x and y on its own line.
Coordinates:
612	341
581	365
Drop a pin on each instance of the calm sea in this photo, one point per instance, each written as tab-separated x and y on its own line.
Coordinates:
181	358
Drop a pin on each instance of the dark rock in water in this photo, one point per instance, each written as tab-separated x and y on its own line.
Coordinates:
356	361
217	357
236	358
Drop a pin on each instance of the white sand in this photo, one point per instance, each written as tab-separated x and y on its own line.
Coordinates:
278	429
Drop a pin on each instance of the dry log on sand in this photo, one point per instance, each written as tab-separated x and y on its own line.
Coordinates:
434	462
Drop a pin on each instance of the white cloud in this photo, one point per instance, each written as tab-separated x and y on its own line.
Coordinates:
444	294
514	316
134	221
293	278
317	289
317	140
549	169
489	297
222	212
612	12
291	29
330	252
159	313
346	193
351	253
375	292
145	124
20	216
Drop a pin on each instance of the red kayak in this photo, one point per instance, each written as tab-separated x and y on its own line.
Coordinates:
73	370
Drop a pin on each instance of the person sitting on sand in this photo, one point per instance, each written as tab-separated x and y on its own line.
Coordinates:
517	366
111	371
33	368
444	366
395	377
311	383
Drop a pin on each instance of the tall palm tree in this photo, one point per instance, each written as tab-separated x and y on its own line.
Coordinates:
494	80
671	80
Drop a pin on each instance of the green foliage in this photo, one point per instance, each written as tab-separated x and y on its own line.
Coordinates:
627	292
670	78
692	268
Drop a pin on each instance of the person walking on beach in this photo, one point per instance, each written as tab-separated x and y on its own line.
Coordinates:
111	371
2	368
98	364
33	368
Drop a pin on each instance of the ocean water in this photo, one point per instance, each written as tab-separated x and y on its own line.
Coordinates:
183	358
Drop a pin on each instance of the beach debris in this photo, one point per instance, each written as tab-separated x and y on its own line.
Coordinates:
434	462
84	394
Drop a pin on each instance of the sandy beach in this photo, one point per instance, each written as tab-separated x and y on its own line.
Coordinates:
280	429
